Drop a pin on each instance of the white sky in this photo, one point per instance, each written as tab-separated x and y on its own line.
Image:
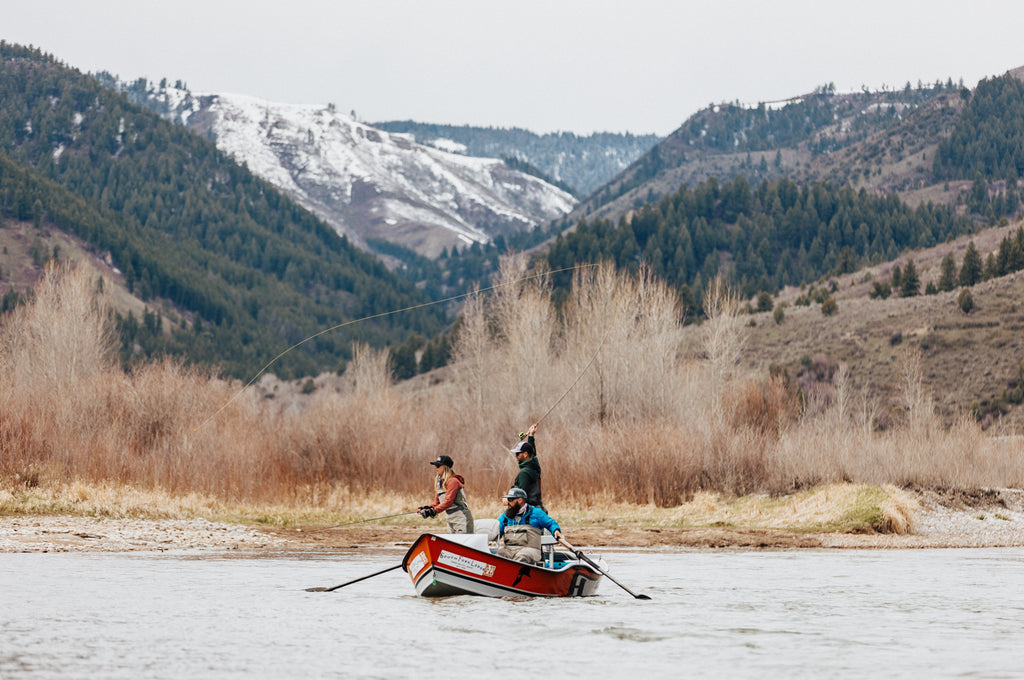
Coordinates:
575	65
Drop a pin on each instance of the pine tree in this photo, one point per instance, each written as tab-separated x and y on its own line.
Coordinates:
948	277
991	270
971	270
910	284
897	278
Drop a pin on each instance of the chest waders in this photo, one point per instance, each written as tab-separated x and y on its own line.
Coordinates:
459	517
522	541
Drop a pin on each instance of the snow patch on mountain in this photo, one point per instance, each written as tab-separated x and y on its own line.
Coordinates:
369	183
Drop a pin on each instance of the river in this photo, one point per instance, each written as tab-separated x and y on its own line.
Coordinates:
730	614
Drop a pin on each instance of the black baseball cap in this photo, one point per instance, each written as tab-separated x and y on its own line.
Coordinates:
443	460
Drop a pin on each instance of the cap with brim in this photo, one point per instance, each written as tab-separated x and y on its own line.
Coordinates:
443	460
514	492
523	446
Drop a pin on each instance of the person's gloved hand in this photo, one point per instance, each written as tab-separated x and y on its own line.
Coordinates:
422	508
428	512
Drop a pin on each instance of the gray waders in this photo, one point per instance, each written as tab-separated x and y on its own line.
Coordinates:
522	544
459	516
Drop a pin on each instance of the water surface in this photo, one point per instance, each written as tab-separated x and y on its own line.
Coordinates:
804	614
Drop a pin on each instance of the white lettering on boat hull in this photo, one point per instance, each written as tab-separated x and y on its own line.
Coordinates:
465	564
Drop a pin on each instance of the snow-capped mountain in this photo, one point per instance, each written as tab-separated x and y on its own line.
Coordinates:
366	182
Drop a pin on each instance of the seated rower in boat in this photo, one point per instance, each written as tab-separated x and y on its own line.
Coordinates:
521	527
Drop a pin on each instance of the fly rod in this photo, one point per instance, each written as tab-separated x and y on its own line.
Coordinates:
589	363
360	521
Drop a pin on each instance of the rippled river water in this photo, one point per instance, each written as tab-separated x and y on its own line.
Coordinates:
806	614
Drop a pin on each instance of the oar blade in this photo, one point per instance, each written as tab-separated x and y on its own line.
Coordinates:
579	554
357	580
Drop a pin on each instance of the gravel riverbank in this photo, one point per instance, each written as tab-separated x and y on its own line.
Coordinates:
987	518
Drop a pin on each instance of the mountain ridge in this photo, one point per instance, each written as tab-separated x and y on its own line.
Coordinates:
238	271
369	184
583	162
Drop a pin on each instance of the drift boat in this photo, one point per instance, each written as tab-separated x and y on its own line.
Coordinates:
463	564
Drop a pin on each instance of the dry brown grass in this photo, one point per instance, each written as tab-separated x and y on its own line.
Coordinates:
647	425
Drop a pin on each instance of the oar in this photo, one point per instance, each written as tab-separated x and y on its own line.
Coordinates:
592	563
360	521
348	583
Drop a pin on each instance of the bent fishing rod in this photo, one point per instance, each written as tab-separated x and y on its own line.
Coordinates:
522	435
589	363
381	315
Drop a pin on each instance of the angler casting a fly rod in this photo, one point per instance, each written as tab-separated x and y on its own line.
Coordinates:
527	563
528	476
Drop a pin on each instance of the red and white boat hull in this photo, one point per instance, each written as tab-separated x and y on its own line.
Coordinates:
440	567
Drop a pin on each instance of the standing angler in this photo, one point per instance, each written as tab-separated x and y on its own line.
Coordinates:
528	477
449	498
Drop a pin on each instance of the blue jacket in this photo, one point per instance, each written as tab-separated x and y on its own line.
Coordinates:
533	516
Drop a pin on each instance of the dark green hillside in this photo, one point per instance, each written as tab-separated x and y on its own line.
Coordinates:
762	238
988	140
187	226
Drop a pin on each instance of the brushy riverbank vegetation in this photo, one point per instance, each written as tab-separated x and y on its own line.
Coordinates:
645	425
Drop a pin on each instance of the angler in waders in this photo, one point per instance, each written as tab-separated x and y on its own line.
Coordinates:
449	498
528	477
521	526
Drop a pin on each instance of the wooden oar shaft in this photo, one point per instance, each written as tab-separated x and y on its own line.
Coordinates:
579	554
357	580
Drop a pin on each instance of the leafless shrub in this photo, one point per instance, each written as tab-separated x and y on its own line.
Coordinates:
628	331
766	406
60	339
629	420
919	404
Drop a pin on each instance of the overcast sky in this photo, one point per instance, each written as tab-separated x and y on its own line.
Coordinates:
576	65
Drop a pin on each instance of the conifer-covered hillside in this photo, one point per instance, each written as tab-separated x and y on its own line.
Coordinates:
762	238
924	143
243	271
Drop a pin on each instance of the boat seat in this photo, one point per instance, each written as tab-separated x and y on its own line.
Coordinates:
487	527
475	541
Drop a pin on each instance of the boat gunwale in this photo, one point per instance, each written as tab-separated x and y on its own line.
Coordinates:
432	568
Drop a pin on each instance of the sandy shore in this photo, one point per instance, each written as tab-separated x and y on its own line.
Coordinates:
944	520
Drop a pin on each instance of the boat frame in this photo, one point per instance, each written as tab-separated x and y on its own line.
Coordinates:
462	564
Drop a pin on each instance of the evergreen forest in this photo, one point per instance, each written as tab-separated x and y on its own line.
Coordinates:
988	141
762	238
251	272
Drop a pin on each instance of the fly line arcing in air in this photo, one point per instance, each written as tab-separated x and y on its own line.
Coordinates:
378	316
